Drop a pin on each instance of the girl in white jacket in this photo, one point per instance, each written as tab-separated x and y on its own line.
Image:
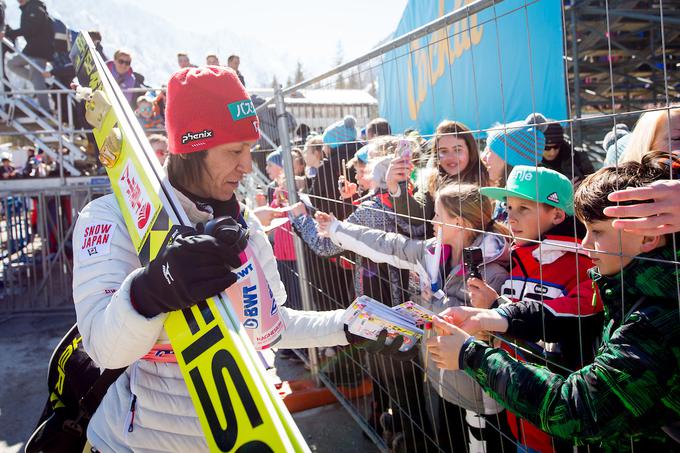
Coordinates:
121	306
462	413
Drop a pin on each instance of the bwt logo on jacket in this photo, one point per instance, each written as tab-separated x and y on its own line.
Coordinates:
192	136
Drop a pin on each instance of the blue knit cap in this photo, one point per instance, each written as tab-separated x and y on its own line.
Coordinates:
275	157
341	132
519	142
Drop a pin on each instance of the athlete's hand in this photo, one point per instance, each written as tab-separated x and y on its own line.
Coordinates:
660	216
380	346
191	269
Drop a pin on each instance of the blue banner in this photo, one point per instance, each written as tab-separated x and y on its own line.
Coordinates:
496	66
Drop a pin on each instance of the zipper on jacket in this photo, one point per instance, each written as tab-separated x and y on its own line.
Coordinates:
132	413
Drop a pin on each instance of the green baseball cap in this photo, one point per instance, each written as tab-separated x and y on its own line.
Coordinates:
536	183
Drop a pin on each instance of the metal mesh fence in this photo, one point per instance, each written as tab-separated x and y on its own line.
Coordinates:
617	63
36	229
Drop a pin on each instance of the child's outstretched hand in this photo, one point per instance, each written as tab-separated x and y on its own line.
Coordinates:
445	349
325	221
475	320
481	294
298	209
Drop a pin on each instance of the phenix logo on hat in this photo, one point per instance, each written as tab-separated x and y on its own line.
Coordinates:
208	107
539	184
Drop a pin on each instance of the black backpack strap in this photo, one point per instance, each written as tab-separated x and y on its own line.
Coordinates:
88	404
94	396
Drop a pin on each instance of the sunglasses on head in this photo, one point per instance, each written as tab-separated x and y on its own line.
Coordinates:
125	62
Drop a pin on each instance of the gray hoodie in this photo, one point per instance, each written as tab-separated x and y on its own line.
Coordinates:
400	251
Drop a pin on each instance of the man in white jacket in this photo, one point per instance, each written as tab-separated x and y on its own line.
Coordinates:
121	306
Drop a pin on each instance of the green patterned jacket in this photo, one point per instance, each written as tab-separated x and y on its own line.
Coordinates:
629	397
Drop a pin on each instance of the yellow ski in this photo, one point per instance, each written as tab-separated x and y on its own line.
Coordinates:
237	408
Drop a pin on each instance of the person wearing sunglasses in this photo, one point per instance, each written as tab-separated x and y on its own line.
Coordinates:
121	68
148	113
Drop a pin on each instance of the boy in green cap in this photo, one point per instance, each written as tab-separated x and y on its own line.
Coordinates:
628	397
548	276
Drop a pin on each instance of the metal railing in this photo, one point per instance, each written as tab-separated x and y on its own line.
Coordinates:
36	247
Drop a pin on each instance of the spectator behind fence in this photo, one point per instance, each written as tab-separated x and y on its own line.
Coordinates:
31	163
36	28
456	160
625	399
374	211
159	144
461	212
212	60
121	68
234	61
97	41
507	145
148	113
350	191
301	134
377	280
183	60
339	145
540	208
7	171
655	131
377	127
313	154
560	156
614	144
274	170
62	70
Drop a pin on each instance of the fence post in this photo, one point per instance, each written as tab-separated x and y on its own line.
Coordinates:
284	139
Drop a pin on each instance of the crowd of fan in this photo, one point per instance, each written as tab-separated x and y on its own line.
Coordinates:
583	309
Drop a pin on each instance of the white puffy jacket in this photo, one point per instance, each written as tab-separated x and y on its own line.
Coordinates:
116	336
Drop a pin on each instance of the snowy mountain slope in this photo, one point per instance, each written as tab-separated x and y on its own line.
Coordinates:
155	41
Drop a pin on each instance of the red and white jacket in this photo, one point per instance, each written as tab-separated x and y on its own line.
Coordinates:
551	275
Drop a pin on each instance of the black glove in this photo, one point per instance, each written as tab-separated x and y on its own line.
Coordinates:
378	345
191	269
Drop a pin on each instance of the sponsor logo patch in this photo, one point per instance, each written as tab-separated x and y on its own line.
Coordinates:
96	240
136	199
241	109
193	136
554	197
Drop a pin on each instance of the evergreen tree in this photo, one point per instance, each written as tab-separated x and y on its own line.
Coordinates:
299	75
340	83
275	83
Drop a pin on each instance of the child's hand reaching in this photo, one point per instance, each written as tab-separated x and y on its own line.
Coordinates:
475	320
347	189
325	221
481	294
445	349
298	209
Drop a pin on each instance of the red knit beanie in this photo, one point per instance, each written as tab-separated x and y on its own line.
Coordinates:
207	107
